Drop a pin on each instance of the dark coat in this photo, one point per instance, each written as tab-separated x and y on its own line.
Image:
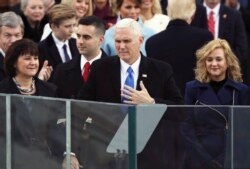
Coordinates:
177	46
2	73
34	34
104	85
68	77
48	51
205	129
232	29
32	126
105	81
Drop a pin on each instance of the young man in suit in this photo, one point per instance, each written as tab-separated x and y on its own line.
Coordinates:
152	83
59	46
90	34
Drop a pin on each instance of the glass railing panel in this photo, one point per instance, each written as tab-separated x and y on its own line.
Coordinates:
93	127
2	131
36	140
238	138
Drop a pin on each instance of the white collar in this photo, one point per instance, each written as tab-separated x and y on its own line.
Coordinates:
58	42
84	60
134	66
216	9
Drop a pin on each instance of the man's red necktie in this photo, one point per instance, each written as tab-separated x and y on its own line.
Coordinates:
85	74
211	23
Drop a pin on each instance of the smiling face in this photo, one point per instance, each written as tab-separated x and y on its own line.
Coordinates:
129	9
35	10
127	44
88	41
216	65
81	7
147	4
27	66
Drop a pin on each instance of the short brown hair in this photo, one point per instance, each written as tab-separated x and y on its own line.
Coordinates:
59	13
17	49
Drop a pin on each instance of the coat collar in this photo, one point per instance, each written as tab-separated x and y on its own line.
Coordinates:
228	83
177	22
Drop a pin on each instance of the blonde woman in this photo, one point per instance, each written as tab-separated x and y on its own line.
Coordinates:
152	16
218	81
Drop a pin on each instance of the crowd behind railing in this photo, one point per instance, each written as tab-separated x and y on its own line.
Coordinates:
130	52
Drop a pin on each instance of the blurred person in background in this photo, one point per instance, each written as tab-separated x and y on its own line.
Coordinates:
34	19
105	9
152	15
126	9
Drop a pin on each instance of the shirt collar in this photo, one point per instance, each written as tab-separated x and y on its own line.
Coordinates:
216	9
84	60
58	42
2	52
134	66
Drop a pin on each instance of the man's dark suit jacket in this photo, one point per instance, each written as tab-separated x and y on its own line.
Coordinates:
105	81
2	74
232	29
104	85
177	46
68	77
48	51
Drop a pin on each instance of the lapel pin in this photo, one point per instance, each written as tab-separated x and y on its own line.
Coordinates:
144	75
224	16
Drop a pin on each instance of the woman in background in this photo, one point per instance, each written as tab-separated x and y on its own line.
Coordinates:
34	18
218	81
152	15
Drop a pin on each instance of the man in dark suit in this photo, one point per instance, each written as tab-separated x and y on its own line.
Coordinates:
11	29
229	26
59	46
178	43
153	83
90	34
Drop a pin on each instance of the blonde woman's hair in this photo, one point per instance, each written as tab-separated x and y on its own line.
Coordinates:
233	66
181	9
90	10
156	8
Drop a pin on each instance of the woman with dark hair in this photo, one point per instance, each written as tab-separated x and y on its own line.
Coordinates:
32	123
21	65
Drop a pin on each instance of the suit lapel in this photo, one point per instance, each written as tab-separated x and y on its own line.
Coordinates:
115	74
143	72
222	21
54	53
73	70
73	49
